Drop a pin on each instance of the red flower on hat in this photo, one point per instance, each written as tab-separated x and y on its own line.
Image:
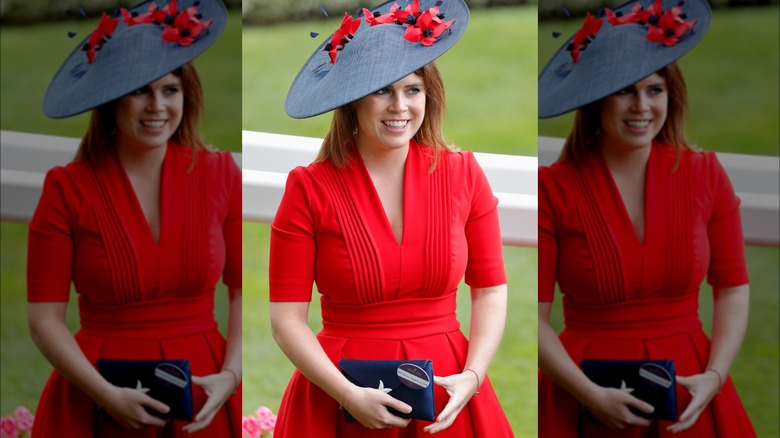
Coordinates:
670	27
616	19
411	10
584	36
180	27
342	36
427	27
100	36
387	18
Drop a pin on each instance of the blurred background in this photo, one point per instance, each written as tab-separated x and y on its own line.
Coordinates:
33	44
490	80
733	82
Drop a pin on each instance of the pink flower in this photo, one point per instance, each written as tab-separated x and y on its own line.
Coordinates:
263	413
24	418
268	424
8	427
250	427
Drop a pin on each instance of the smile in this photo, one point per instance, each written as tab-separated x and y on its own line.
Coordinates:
395	123
154	124
638	123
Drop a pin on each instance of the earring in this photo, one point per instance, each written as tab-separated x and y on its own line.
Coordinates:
354	133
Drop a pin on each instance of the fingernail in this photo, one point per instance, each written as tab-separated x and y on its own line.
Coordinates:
407	409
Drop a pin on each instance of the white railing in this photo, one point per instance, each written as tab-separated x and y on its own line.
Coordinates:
266	160
756	179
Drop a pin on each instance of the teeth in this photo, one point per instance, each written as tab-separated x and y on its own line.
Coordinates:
395	123
153	123
638	123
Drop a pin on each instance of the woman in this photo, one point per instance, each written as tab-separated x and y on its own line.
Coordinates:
386	221
144	221
631	218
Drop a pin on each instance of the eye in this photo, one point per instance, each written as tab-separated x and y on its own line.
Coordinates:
383	91
624	91
140	91
413	91
172	90
657	90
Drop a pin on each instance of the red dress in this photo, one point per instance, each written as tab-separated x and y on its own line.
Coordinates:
137	299
624	299
381	299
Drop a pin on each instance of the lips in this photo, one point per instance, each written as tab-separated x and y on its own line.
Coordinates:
395	123
153	124
638	123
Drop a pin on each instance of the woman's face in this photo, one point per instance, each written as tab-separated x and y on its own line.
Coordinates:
390	117
632	117
148	117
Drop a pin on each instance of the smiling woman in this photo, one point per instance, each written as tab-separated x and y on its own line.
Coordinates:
144	221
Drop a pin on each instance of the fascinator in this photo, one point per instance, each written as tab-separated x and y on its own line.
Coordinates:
131	49
376	48
619	48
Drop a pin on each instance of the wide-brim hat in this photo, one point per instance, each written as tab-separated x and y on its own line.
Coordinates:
619	55
132	57
376	56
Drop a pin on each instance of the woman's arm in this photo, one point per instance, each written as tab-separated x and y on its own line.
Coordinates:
56	342
609	405
488	316
729	322
290	329
219	387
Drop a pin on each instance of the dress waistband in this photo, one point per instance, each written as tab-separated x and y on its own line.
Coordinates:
393	320
154	319
641	319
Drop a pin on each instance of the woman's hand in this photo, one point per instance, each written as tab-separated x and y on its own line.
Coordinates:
703	388
126	406
369	407
611	407
218	387
461	387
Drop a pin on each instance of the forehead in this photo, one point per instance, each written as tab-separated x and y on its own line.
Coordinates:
413	78
653	79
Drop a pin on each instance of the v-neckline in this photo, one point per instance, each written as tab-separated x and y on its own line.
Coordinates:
133	196
625	217
387	226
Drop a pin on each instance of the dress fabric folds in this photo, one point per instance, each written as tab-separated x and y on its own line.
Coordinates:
384	299
626	298
138	298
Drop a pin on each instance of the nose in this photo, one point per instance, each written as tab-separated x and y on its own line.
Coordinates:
641	102
399	103
156	102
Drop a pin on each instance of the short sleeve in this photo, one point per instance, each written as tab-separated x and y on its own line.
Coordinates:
724	229
231	229
548	240
485	266
293	246
50	243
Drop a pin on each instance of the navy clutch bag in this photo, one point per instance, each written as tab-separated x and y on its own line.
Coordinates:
652	381
410	381
169	381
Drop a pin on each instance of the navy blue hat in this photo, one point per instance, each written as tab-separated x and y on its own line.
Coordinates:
375	53
132	50
620	48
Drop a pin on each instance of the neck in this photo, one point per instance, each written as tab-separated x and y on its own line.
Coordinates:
626	160
142	161
383	161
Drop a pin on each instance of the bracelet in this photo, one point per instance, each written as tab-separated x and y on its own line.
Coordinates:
475	375
720	379
235	377
343	404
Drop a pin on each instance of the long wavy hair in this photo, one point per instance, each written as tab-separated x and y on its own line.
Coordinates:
99	138
340	139
584	136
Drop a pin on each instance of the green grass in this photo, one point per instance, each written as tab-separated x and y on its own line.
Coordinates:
490	77
732	78
32	54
